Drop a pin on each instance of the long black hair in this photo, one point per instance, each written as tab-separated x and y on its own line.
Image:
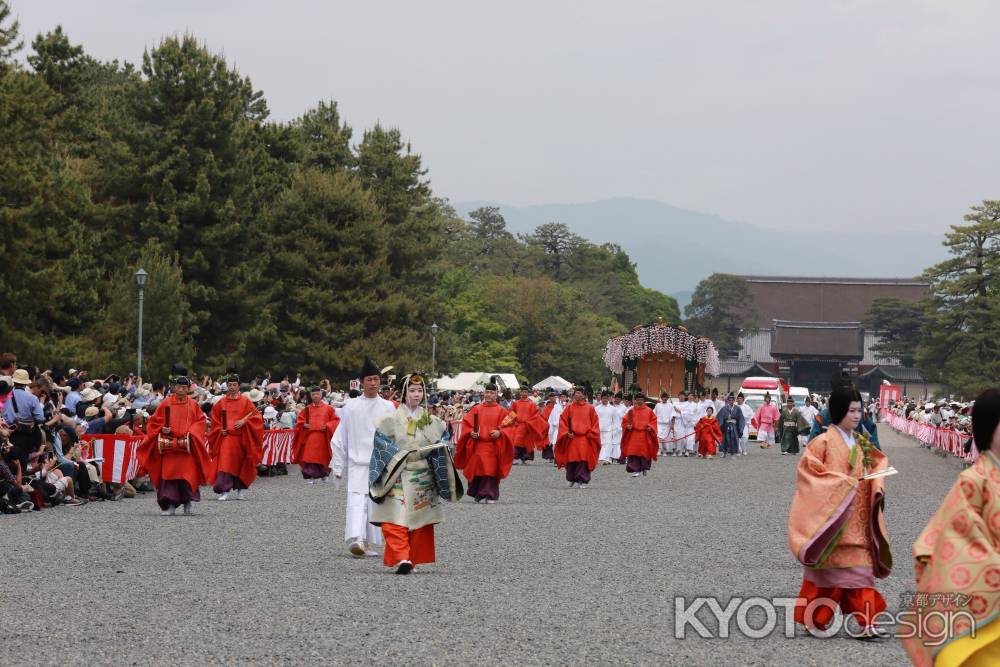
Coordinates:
840	402
985	417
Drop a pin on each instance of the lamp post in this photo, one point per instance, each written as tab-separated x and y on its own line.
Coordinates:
140	279
434	339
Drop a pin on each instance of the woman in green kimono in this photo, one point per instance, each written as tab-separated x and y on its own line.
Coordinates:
791	425
411	471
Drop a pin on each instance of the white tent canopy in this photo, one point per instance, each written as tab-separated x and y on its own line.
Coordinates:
553	382
474	381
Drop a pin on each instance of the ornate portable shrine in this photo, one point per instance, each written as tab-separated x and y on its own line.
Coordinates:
659	357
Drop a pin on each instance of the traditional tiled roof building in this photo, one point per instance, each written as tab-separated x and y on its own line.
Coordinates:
807	328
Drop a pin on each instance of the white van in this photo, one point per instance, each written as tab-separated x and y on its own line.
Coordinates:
800	394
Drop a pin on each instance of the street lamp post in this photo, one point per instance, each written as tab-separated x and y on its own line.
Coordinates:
140	278
434	339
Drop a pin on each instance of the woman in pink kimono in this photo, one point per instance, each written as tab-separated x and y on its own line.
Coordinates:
835	527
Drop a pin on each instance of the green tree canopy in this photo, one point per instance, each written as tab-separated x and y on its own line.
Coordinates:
719	309
900	324
960	347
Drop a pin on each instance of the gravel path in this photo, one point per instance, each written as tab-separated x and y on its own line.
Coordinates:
548	576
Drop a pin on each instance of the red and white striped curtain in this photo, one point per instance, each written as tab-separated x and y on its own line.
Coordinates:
119	453
277	447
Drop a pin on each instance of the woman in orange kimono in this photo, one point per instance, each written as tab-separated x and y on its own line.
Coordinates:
835	527
708	434
958	561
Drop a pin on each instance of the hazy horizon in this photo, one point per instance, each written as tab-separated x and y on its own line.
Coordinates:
848	115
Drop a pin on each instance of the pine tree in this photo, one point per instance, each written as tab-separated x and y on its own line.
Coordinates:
959	347
47	276
330	300
199	122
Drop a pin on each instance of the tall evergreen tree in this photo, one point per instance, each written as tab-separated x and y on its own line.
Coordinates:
10	36
325	140
198	120
47	276
330	300
960	345
718	309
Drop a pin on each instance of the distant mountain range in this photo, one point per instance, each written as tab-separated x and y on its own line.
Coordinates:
674	248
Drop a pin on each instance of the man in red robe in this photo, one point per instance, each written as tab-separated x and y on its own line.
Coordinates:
314	429
639	440
485	453
235	441
173	451
531	430
579	440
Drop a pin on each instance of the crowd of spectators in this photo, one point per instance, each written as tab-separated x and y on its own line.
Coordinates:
941	413
44	413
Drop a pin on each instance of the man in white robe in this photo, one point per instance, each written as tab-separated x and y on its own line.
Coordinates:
607	415
557	409
616	434
688	413
809	413
704	403
747	416
717	401
665	418
353	442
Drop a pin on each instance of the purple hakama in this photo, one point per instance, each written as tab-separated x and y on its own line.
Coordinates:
314	471
637	464
578	472
224	483
484	488
174	493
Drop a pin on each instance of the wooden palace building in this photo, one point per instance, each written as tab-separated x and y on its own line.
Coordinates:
805	329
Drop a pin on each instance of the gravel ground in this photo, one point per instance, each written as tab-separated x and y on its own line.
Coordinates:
548	576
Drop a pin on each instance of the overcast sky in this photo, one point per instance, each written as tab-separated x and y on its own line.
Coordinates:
871	114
